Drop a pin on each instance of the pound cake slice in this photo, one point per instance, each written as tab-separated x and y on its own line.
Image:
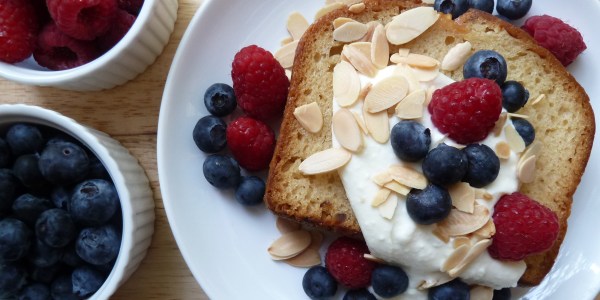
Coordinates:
564	120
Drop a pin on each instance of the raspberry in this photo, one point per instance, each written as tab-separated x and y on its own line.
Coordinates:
57	51
18	29
122	23
259	83
252	143
523	227
83	19
346	262
564	41
131	6
466	110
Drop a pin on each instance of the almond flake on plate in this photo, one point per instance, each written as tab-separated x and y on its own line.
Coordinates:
325	161
289	245
411	107
310	117
296	25
285	225
350	32
310	256
285	55
346	130
346	84
386	93
410	24
456	56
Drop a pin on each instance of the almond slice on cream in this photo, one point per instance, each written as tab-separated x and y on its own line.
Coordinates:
346	84
346	130
397	187
408	176
473	253
410	24
325	161
381	196
359	55
411	107
386	93
526	169
310	117
418	61
461	223
457	256
378	125
514	139
480	292
388	208
463	197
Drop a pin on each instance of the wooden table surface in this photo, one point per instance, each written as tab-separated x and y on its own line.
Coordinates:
129	113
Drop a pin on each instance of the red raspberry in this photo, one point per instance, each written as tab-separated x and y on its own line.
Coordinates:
58	51
564	41
346	262
252	143
18	29
122	23
466	110
523	227
83	19
131	6
259	82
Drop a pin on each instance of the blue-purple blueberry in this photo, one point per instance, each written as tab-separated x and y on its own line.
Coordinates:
484	165
63	163
410	140
453	7
210	134
35	291
28	207
487	64
428	206
93	202
318	283
86	281
98	245
24	139
222	171
445	165
220	99
55	228
15	240
250	191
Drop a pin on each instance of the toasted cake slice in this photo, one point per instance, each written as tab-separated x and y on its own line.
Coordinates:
564	120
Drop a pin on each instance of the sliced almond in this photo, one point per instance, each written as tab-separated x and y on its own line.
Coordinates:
517	116
388	208
325	161
380	49
461	240
288	74
341	21
430	2
372	258
533	149
310	256
411	107
289	245
408	176
386	93
378	125
350	32
359	55
457	256
357	8
403	52
285	55
499	126
429	283
502	149
382	178
480	292
440	234
538	99
296	25
474	252
286	40
327	9
371	25
407	73
456	56
461	223
346	84
487	231
286	225
429	96
514	139
426	74
463	197
397	187
310	117
346	130
365	90
418	61
410	24
381	196
526	170
360	122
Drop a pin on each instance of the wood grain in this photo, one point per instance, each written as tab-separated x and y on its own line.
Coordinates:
129	113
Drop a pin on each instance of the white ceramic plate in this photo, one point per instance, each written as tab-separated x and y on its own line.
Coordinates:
224	243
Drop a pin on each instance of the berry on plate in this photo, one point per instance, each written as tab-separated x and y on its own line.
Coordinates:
221	171
445	165
455	289
260	83
210	134
483	5
410	140
251	191
514	96
83	19
389	281
252	143
453	7
513	9
318	283
345	261
466	110
18	29
486	64
525	130
57	51
428	206
219	99
484	165
523	227
564	41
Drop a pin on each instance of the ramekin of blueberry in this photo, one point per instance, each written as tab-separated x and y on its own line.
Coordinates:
76	209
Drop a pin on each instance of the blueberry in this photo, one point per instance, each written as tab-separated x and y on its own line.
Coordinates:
389	281
514	96
453	290
42	255
513	9
251	191
12	278
454	7
525	130
445	165
106	268
24	139
70	257
359	294
55	228
27	171
210	134
86	281
429	205
98	245
8	189
484	165
62	288
97	169
36	291
45	274
28	207
60	197
318	283
5	156
93	202
63	163
410	140
15	240
486	64
221	171
220	100
483	5
502	294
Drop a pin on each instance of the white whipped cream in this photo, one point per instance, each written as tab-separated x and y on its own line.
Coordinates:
401	241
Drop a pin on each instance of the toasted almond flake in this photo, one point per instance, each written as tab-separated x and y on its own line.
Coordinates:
411	107
285	55
408	176
386	93
341	21
455	258
378	125
397	187
296	25
380	49
327	9
371	25
487	231
474	252
325	161
360	122
463	197
310	117
456	56
310	256
286	40
359	55
289	245
430	2
382	178
517	116
514	139
286	225
538	99
410	24
502	149
346	130
388	208
372	258
396	58
426	74
364	91
461	223
413	83
440	234
487	196
526	170
403	52
499	126
429	96
357	8
418	61
350	32
480	292
429	283
288	74
533	149
346	84
461	240
381	196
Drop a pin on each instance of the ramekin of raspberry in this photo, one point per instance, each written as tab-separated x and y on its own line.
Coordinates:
82	44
